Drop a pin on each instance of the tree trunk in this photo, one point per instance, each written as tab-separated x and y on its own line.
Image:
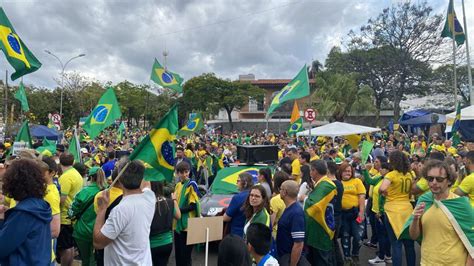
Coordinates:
397	98
378	107
229	116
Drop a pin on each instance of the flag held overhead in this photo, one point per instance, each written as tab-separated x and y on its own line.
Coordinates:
16	52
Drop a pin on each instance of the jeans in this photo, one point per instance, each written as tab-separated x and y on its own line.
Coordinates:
373	220
350	228
337	255
397	247
384	242
317	257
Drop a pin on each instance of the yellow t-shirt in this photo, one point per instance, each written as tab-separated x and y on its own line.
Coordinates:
71	183
400	186
352	189
422	184
314	158
296	170
375	197
467	186
277	206
441	245
372	172
113	195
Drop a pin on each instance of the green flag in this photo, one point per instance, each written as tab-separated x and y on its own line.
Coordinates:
23	138
156	151
161	76
295	127
194	124
365	151
103	115
121	130
319	216
452	27
455	128
297	88
48	148
75	148
51	123
18	55
20	95
225	181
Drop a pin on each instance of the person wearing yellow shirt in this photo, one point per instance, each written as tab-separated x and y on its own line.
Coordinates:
441	243
71	183
396	187
313	154
353	209
449	149
277	205
295	164
466	188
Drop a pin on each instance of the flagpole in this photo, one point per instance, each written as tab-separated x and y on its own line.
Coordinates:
5	117
469	75
454	67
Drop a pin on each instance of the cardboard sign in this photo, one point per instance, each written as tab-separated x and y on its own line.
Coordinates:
197	229
18	147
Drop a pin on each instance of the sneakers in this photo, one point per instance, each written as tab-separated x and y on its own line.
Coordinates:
388	259
377	261
370	245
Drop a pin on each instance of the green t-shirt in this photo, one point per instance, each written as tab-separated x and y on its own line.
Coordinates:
84	227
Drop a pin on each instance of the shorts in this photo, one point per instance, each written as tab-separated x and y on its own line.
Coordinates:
65	239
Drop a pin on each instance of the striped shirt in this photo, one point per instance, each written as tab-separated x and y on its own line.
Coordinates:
291	229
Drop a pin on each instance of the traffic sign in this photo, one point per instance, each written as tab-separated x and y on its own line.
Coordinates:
309	114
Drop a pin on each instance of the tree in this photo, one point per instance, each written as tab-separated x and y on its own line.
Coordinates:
338	95
209	94
409	38
443	84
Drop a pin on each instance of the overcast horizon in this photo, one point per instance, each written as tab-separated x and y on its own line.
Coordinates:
121	38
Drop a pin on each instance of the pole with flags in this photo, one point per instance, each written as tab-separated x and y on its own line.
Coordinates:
469	75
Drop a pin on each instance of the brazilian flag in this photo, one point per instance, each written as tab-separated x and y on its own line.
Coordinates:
319	214
157	149
167	79
225	181
18	55
452	27
295	127
455	128
297	88
104	114
20	95
75	148
48	148
194	125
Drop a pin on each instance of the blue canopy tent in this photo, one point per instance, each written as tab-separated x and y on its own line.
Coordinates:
40	132
421	117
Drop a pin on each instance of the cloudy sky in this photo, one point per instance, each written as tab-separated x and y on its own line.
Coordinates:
269	38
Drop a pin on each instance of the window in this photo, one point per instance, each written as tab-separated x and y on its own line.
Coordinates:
256	106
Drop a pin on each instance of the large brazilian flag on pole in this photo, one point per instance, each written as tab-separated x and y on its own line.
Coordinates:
297	88
103	115
157	150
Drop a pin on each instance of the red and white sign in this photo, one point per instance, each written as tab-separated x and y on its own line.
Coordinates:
310	114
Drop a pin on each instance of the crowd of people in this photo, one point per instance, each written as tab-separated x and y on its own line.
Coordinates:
316	206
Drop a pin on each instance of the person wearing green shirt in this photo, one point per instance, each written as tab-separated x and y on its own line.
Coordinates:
256	207
82	212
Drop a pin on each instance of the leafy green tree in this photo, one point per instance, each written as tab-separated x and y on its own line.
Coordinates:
209	94
443	84
338	95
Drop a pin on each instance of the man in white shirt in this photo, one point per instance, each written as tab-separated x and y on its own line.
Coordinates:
125	235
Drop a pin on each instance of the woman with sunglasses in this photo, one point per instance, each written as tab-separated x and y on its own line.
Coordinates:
442	244
396	187
256	207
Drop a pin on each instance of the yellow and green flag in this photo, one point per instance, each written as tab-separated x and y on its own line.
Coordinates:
225	181
20	95
297	88
320	225
455	128
166	79
157	150
75	148
103	115
16	52
22	139
296	121
194	125
452	27
121	130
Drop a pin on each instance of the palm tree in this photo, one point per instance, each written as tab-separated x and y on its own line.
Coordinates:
339	95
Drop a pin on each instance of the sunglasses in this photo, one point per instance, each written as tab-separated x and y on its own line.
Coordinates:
439	179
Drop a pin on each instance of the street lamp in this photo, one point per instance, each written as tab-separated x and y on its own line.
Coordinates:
63	67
